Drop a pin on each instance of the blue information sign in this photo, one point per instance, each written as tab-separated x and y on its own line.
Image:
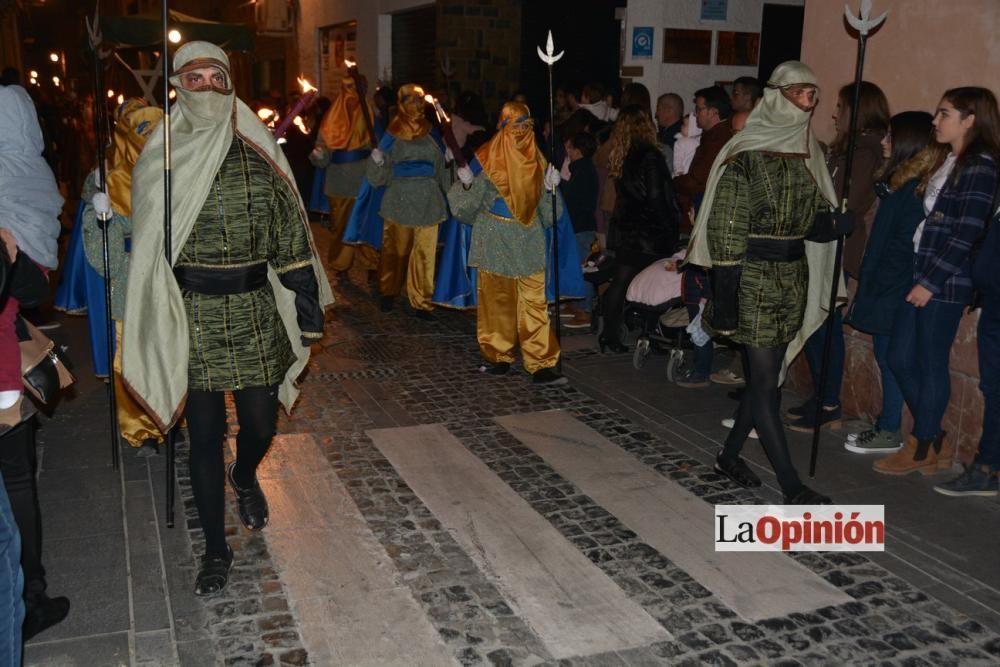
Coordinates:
642	42
714	10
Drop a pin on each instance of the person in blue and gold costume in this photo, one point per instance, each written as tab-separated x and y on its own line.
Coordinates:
135	122
409	165
506	206
237	305
341	148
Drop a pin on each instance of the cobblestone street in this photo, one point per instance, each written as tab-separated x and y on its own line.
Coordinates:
417	509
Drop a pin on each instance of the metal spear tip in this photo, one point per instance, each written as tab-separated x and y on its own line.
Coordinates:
863	23
549	56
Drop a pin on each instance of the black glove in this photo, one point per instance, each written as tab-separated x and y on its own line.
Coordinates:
724	314
831	225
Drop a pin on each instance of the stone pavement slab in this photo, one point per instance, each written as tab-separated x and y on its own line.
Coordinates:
570	603
754	585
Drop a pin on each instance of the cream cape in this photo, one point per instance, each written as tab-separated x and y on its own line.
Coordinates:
155	339
777	126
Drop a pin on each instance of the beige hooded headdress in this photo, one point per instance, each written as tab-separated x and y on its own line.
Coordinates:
778	127
155	338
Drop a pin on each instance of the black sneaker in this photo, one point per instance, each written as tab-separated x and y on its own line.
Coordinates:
42	612
213	574
499	368
425	315
548	376
738	471
251	503
387	303
806	496
829	418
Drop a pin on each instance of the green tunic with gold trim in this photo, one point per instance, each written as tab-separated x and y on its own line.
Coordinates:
250	218
768	197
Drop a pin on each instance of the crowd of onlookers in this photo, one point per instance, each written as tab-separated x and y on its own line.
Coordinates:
923	190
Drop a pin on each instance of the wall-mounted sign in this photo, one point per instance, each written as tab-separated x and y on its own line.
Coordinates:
714	10
642	42
688	47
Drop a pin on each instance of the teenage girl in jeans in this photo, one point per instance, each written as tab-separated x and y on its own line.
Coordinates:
957	199
886	273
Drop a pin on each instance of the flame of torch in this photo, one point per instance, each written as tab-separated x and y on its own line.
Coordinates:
299	123
308	93
445	122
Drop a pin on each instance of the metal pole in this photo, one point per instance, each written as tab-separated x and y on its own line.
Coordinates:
100	121
863	25
550	57
167	239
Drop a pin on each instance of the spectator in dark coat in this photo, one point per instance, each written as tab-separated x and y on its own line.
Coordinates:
711	108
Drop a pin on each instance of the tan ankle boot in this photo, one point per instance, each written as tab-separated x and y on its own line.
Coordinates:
946	453
902	463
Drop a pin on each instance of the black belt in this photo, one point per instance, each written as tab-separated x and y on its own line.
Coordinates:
775	250
216	281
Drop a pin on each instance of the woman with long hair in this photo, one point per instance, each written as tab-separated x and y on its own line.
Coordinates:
886	272
958	197
645	223
873	122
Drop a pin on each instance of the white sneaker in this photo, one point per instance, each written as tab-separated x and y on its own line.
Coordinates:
729	422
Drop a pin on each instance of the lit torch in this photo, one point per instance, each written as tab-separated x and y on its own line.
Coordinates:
444	122
359	85
308	93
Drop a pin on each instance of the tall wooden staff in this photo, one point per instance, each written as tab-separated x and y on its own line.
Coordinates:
167	228
863	24
550	57
101	127
359	85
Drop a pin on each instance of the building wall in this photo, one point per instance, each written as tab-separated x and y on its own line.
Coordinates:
374	50
660	77
482	40
923	48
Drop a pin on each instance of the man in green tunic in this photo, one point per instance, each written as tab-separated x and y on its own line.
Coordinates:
238	303
768	199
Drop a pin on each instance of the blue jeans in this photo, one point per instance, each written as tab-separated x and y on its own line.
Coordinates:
988	339
892	396
11	583
701	362
830	392
921	347
583	241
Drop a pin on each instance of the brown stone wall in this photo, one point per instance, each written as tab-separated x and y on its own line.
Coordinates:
861	393
482	38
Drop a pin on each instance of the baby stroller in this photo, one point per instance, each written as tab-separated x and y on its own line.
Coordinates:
654	306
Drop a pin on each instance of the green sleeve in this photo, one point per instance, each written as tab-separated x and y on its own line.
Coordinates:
325	162
379	174
442	171
466	204
729	219
289	239
545	208
93	243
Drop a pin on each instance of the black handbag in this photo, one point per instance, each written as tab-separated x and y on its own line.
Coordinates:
44	372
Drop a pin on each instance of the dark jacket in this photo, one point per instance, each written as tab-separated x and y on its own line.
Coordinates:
867	159
580	194
986	267
691	186
646	222
943	263
668	135
886	272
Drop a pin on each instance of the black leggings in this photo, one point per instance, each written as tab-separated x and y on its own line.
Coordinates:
17	461
257	413
613	299
760	408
